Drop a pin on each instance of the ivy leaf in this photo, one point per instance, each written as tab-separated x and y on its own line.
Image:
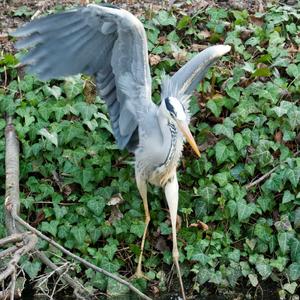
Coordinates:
96	206
245	210
238	141
50	227
294	271
293	177
79	233
290	287
201	257
110	250
60	211
295	249
73	86
215	106
208	192
293	70
283	240
165	18
52	137
221	129
263	231
253	279
116	289
222	153
138	229
287	197
264	270
32	268
266	203
86	110
55	91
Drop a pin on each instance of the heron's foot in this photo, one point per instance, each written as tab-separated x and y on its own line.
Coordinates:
139	274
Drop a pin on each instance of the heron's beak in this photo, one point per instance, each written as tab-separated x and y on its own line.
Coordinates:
188	135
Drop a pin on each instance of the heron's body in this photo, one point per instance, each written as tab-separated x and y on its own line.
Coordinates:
110	44
166	148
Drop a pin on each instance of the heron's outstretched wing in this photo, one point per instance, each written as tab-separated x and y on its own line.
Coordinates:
103	41
185	80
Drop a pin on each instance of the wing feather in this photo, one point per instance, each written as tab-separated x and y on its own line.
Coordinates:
98	40
182	84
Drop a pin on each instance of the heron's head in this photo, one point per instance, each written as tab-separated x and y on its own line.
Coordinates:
175	112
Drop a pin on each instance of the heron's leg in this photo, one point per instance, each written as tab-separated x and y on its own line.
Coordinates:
171	192
142	187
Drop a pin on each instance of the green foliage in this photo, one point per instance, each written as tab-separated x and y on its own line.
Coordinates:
71	168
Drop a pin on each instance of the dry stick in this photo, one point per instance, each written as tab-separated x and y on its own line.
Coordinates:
30	242
81	260
72	282
12	201
262	178
14	238
8	251
13	285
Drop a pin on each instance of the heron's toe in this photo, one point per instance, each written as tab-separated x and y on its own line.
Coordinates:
139	274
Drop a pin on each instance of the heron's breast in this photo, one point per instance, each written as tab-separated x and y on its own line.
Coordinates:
162	173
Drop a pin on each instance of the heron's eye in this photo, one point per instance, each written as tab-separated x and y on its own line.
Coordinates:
175	108
170	106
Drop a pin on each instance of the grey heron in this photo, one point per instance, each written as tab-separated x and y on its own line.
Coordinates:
111	45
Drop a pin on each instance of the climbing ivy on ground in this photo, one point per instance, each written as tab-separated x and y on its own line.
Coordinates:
79	189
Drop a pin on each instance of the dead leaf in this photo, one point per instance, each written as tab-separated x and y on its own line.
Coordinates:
256	20
115	215
178	223
115	200
205	33
161	244
90	91
154	59
162	40
197	47
278	136
200	225
180	57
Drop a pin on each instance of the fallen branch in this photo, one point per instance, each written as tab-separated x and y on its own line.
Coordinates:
29	243
12	201
265	176
260	179
77	286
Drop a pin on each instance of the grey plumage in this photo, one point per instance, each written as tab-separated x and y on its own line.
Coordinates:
111	44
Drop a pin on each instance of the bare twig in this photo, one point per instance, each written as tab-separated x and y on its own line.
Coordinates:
78	288
8	251
13	285
14	238
30	241
260	179
265	176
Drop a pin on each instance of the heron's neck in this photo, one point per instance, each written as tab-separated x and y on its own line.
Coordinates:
170	136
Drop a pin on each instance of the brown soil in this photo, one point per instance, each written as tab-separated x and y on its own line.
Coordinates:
13	13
